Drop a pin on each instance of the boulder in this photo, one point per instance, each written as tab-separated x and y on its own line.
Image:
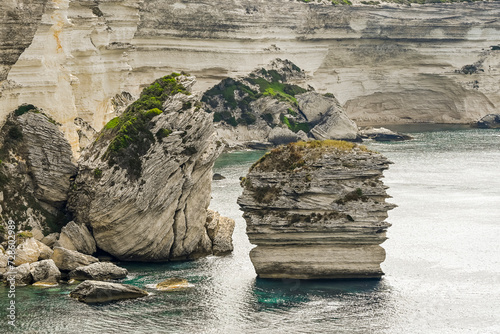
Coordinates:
218	177
317	210
220	231
27	252
45	251
173	284
76	237
66	259
102	292
383	134
98	271
3	264
490	121
45	271
37	234
280	136
21	275
50	239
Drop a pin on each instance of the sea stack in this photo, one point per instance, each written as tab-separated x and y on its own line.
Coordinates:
317	210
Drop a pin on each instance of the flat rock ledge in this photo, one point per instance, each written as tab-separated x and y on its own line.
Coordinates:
317	210
102	292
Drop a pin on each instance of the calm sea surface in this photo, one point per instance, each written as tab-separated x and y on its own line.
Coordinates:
442	267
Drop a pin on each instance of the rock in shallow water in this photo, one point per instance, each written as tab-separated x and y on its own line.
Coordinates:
102	292
98	271
45	271
491	121
316	210
173	284
383	134
66	259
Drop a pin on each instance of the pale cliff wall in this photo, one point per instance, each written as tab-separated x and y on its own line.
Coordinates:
385	63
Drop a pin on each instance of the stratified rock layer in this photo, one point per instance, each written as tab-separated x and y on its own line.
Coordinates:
317	211
150	202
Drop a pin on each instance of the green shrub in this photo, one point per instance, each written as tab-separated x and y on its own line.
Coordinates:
97	173
24	108
15	133
163	133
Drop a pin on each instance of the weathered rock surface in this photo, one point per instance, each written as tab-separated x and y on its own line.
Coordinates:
270	105
383	134
102	292
66	259
35	171
491	121
50	239
76	237
317	211
146	200
220	231
22	275
99	271
31	250
45	271
390	63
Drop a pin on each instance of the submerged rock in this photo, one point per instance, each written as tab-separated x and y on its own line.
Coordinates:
173	284
102	292
98	271
66	259
383	134
316	210
144	186
491	121
76	237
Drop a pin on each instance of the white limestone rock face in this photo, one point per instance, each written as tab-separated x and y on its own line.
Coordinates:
317	211
385	64
149	202
76	237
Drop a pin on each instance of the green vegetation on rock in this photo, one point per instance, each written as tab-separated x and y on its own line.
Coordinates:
130	134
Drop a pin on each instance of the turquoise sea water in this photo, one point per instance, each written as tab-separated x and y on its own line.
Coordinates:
442	267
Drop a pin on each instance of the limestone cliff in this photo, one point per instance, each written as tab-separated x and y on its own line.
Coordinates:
35	170
144	185
317	210
387	63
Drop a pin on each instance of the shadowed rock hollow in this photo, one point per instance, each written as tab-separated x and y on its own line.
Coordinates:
316	210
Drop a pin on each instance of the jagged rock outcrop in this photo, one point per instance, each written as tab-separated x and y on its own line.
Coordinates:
316	210
76	237
269	106
98	271
389	63
102	292
491	121
35	170
220	231
144	185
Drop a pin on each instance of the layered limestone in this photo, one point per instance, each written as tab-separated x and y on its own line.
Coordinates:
144	185
35	170
77	59
317	210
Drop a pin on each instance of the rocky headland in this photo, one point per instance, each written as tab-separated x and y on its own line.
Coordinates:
317	210
272	106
